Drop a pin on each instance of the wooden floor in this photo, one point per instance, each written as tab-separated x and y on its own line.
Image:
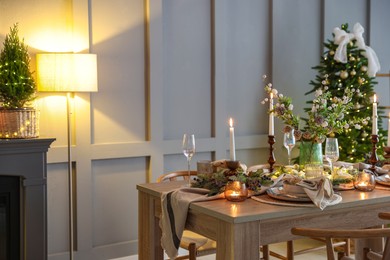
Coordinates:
278	248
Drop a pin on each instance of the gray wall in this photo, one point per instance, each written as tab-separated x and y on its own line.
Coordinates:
165	68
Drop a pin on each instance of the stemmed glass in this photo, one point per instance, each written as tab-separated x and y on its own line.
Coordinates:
289	143
189	151
331	151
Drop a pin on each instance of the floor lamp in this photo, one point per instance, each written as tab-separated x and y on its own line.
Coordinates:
67	73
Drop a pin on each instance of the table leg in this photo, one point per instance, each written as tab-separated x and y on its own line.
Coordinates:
149	232
237	241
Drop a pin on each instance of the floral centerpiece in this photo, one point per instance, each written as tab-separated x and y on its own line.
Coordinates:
325	118
222	175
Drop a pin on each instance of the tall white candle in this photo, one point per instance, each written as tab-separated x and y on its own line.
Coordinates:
374	117
388	132
271	116
232	143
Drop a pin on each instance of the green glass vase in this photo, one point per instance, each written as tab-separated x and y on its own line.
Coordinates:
310	153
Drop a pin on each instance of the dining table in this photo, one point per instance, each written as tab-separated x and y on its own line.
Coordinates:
239	228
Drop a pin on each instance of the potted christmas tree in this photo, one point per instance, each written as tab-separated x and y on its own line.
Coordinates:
17	89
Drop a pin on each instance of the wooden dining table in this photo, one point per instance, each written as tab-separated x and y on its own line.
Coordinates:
239	228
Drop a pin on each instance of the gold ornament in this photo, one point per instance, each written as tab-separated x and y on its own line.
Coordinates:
353	72
331	53
352	58
344	74
364	68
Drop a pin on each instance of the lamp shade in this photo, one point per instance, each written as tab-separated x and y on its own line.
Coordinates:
66	72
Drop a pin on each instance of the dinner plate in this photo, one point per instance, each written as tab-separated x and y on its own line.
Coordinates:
343	187
384	180
279	193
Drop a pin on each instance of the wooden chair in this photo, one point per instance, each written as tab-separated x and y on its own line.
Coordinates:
329	234
197	245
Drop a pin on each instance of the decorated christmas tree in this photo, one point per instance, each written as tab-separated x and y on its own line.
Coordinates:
17	85
348	62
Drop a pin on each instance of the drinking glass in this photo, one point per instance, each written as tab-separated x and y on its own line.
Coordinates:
331	151
289	143
189	151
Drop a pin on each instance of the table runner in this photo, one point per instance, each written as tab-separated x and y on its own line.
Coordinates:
175	206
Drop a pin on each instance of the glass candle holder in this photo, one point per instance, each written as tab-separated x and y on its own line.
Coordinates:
236	191
313	170
365	181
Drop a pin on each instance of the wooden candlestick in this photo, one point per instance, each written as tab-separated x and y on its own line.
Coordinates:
374	158
271	159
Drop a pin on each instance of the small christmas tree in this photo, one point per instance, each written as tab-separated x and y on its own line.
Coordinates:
17	85
351	70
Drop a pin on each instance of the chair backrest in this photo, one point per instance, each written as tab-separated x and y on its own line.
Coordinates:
328	234
175	176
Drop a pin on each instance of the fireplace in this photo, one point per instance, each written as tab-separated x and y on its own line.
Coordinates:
10	204
23	209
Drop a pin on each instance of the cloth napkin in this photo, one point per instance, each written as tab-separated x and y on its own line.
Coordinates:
361	166
175	206
320	191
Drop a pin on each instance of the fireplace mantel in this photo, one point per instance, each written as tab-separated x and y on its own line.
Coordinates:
27	158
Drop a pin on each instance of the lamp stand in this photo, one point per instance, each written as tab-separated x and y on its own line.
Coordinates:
70	174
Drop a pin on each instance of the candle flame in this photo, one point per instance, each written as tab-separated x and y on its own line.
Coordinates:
374	98
231	122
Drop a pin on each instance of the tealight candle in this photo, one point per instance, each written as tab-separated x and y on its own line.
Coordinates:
236	191
232	142
365	181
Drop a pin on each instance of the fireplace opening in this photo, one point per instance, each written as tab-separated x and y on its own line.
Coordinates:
10	220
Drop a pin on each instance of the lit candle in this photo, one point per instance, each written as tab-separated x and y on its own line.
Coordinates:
388	132
374	117
271	115
232	143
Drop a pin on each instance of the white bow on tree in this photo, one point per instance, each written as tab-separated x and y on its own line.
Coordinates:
342	38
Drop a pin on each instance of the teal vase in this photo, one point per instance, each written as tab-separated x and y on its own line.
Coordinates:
310	152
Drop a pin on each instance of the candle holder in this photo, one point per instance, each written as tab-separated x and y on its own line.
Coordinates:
236	191
365	181
374	158
271	159
233	166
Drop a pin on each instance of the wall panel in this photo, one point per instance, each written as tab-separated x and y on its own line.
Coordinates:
296	49
57	196
187	93
118	41
114	196
337	13
248	58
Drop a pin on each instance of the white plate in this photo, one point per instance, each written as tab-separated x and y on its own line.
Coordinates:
279	193
383	179
342	187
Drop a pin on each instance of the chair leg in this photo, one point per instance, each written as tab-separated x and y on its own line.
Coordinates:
265	250
290	250
192	251
347	247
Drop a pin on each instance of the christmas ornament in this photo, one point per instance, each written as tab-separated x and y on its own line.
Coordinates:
344	74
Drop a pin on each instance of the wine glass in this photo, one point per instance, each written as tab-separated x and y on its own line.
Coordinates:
189	151
331	151
289	143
